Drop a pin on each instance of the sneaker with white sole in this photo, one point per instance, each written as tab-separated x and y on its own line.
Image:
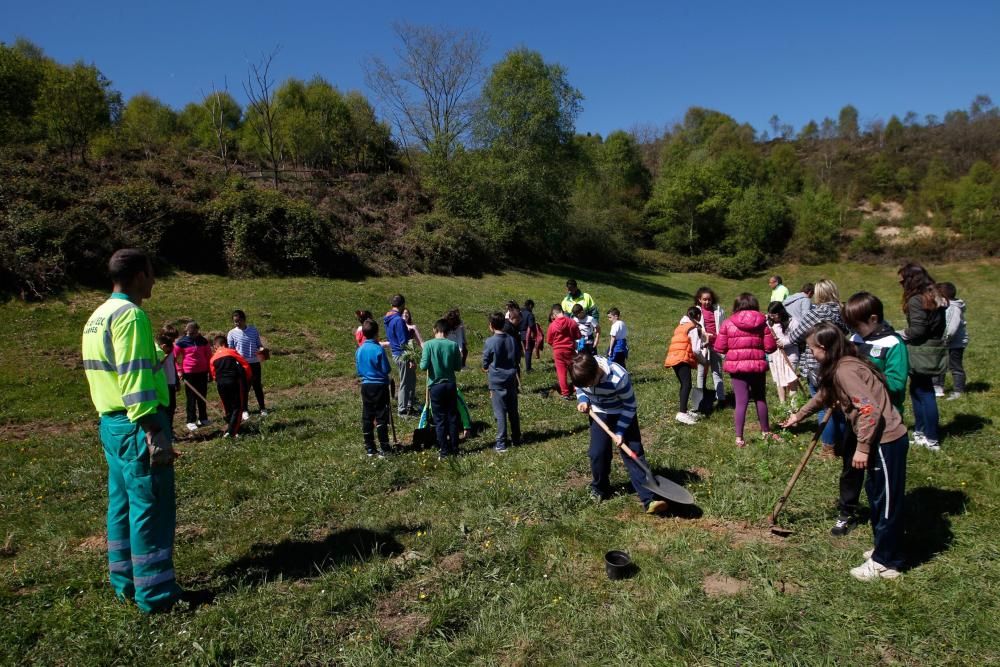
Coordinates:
871	570
246	415
843	527
868	554
918	439
932	445
191	426
685	418
954	396
263	413
938	392
694	415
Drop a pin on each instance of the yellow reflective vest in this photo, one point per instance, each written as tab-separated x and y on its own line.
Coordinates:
121	360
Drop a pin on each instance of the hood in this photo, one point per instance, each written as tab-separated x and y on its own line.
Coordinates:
958	303
883	330
748	320
389	317
798	296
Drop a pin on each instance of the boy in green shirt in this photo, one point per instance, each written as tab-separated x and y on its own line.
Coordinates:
441	358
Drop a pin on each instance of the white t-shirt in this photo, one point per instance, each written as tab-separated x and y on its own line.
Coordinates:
618	330
588	325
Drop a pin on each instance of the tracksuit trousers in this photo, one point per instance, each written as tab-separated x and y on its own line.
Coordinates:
600	458
504	401
443	398
233	395
375	415
142	515
256	385
885	486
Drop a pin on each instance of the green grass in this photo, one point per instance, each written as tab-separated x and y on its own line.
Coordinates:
319	555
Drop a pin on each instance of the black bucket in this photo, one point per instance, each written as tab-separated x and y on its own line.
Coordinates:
618	565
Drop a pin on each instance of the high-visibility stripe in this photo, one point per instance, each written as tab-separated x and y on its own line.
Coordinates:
120	566
155	557
139	397
885	476
109	347
119	545
152	580
134	365
97	365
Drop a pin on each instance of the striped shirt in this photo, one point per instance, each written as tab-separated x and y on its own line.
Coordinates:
245	341
613	395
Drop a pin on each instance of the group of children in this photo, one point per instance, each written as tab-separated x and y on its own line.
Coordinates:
232	361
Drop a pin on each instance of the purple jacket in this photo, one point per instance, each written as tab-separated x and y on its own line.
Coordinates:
744	339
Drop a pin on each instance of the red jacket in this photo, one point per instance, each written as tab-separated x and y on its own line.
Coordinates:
563	334
745	339
229	352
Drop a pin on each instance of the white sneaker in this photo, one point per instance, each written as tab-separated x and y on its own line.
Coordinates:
954	395
932	445
225	435
868	554
939	392
871	570
694	415
246	415
685	418
263	413
918	439
192	427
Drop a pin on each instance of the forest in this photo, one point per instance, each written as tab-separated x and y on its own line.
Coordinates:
450	165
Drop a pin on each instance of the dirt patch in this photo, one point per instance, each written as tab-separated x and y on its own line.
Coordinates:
576	480
787	587
9	548
67	357
97	542
452	562
738	532
717	585
12	432
398	624
888	210
701	473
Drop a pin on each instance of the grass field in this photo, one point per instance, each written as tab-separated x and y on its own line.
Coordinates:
316	554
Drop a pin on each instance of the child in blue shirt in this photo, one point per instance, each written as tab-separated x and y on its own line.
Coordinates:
500	362
373	368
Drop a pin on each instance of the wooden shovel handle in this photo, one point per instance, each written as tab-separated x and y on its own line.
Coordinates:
798	471
625	448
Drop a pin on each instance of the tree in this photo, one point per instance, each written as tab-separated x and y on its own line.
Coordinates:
22	68
431	93
147	123
262	114
809	131
847	123
74	103
982	107
224	117
894	132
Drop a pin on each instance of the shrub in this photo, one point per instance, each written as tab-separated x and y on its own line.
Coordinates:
441	244
816	237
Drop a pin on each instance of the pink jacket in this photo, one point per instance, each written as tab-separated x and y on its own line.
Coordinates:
744	339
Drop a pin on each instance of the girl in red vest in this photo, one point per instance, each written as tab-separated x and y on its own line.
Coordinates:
683	354
745	340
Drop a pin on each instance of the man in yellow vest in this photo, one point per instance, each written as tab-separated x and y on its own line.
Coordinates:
129	391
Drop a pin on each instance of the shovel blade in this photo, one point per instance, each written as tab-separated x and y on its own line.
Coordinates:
672	491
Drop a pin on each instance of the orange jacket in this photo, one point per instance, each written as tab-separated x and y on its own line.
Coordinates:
680	351
229	352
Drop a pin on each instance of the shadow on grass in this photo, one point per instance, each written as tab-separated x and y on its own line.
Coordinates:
303	559
965	424
532	437
977	387
927	517
632	282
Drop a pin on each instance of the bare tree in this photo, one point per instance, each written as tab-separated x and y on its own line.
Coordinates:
218	113
432	92
259	88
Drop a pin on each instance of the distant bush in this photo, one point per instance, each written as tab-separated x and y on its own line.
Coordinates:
441	244
816	236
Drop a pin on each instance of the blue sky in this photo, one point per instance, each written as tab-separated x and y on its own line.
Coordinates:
634	62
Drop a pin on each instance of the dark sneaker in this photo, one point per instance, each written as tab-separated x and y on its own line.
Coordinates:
370	452
500	448
597	496
843	526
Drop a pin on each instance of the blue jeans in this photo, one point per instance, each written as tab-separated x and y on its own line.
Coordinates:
834	430
600	458
925	410
444	407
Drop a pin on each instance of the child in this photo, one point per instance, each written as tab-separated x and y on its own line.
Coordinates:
882	443
399	335
682	355
618	338
562	336
441	359
232	374
782	363
605	388
372	364
245	339
512	327
529	332
456	332
414	332
192	353
876	341
165	339
711	319
956	337
590	330
745	340
363	316
500	363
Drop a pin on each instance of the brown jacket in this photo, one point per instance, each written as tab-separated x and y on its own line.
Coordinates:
865	402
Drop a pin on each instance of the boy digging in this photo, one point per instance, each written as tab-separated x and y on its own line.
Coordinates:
373	368
232	374
605	388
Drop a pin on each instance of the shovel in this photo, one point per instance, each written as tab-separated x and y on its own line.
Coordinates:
661	486
773	518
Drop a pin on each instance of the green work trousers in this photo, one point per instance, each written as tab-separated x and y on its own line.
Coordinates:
142	514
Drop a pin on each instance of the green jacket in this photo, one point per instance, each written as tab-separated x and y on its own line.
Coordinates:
441	358
886	350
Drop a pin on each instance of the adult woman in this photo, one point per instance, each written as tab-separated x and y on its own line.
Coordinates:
825	308
711	319
924	307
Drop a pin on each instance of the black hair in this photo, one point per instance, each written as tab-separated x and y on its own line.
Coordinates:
694	313
570	284
496	320
442	326
860	307
240	314
126	264
836	346
706	290
584	370
529	304
397	301
948	290
778	308
577	310
615	312
369	329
